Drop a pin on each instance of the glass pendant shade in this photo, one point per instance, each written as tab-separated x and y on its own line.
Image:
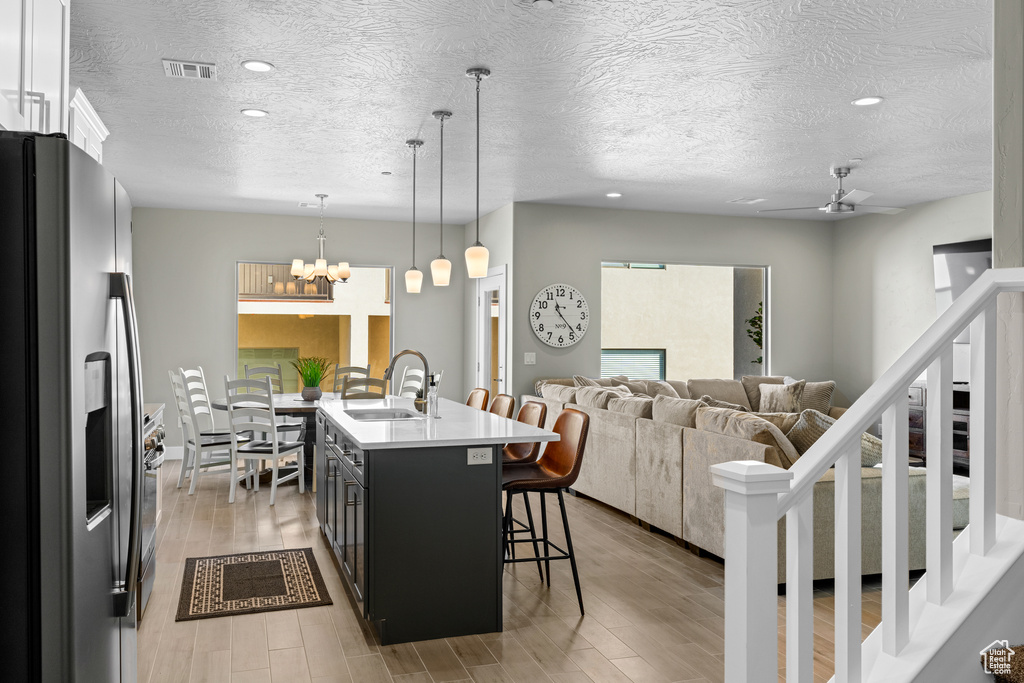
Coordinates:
413	280
310	288
309	272
441	271
290	288
332	271
344	272
298	268
320	268
476	260
278	287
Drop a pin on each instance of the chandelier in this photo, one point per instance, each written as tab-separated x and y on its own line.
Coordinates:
319	268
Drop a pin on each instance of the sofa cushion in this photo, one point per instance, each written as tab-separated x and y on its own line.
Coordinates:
677	411
564	381
782	398
752	387
680	386
638	406
715	403
818	396
747	426
598	397
961	500
722	389
559	392
784	421
657	387
812	424
581	381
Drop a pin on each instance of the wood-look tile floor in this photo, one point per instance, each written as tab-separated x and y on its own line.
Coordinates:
654	610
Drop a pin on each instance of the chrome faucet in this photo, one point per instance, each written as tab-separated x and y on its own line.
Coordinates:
391	367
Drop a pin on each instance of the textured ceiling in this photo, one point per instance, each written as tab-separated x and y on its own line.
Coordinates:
680	105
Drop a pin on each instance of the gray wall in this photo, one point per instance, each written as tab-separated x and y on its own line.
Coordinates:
567	244
496	233
184	264
884	281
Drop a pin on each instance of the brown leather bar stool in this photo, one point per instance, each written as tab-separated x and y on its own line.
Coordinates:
478	399
533	414
558	467
503	405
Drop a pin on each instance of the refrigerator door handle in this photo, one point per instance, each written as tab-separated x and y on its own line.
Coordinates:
121	288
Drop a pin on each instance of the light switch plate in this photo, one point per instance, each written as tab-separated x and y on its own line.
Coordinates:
529	358
478	456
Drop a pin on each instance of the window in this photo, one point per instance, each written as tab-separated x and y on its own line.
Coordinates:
633	363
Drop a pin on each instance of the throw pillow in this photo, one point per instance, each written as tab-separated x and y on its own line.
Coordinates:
747	426
784	421
715	403
730	390
658	388
781	398
818	396
812	424
598	397
752	386
557	392
637	406
635	386
677	411
680	386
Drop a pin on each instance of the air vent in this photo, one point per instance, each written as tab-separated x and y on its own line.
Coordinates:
174	68
746	200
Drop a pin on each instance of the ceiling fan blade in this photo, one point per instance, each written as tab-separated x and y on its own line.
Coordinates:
855	197
795	208
867	208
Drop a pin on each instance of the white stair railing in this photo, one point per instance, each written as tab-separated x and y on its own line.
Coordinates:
758	494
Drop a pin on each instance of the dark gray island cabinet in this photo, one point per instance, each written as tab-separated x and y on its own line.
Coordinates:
411	507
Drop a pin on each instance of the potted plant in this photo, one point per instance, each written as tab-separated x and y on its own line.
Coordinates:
313	370
756	330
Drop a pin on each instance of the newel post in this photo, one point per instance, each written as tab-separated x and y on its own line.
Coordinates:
751	567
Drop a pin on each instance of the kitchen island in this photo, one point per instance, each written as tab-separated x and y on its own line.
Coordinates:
411	507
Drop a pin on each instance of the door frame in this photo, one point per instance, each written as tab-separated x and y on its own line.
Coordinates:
496	280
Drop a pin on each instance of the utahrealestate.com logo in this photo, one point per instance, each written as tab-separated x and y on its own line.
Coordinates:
996	657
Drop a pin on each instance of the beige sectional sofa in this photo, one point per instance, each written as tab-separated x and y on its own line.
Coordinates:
658	472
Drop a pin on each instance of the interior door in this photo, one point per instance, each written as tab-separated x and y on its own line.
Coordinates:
491	356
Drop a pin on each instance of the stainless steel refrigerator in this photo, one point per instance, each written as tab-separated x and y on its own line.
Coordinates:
71	416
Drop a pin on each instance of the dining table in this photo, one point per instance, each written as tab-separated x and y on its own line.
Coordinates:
293	405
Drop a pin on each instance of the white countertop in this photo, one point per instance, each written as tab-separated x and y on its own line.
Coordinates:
458	425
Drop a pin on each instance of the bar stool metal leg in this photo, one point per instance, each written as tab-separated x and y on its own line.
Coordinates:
572	555
533	534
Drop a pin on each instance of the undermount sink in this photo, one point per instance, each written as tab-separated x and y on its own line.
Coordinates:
383	414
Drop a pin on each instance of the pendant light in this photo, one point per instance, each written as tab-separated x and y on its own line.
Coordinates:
319	268
441	268
477	255
413	276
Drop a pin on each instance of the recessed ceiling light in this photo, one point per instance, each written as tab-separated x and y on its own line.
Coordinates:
257	113
747	200
385	172
544	4
867	101
854	160
613	195
257	65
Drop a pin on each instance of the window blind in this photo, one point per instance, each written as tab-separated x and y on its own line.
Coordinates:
633	363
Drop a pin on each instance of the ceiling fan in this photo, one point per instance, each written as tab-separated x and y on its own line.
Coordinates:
842	201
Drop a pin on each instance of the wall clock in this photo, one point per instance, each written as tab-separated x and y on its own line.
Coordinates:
559	315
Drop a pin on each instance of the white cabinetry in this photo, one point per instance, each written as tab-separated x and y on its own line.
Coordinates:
34	65
85	128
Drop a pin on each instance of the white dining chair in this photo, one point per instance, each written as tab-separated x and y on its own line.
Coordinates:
205	446
366	387
411	384
354	371
276	376
251	410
